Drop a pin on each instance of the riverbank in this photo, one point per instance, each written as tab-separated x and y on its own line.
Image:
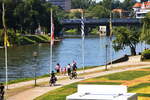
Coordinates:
17	40
32	92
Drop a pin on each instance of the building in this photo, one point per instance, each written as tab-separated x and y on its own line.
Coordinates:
102	30
141	9
76	10
144	0
64	4
122	13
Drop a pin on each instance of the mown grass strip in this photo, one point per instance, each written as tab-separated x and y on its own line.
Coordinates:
143	95
61	93
127	75
139	86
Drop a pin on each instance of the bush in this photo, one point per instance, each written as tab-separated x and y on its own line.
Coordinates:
71	32
146	54
26	40
45	37
94	30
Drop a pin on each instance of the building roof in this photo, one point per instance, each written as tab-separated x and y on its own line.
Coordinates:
118	10
76	10
137	5
147	3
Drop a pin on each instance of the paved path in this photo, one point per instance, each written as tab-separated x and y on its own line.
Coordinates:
32	93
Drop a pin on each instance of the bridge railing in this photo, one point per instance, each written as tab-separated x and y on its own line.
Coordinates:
102	20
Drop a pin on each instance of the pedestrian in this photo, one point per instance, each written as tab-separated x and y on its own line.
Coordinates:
53	79
57	67
2	87
69	69
61	70
64	70
74	66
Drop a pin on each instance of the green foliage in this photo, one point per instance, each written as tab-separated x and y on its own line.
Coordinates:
46	37
71	31
126	37
146	54
94	30
97	11
146	29
128	4
26	40
26	15
37	38
74	15
84	4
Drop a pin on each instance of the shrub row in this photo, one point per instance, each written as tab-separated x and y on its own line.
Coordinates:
146	54
18	39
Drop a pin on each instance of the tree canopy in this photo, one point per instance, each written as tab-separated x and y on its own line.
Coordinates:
84	4
126	37
26	15
97	11
145	33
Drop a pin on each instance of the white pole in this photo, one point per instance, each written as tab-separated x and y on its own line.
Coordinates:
110	39
83	36
110	50
5	45
51	45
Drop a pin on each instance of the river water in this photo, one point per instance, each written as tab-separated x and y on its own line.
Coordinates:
21	63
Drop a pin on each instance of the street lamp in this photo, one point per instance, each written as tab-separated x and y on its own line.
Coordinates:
35	65
106	46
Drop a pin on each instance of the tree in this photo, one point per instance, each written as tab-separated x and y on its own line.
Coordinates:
126	37
107	3
97	11
127	4
25	15
145	34
84	4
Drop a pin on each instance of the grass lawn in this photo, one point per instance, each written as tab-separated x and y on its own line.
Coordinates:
61	93
143	91
127	75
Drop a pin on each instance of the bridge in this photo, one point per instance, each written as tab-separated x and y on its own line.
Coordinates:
91	23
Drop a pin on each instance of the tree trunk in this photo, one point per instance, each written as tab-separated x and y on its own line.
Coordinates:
133	51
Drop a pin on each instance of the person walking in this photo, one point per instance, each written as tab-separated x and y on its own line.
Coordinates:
64	71
2	87
57	67
69	69
74	66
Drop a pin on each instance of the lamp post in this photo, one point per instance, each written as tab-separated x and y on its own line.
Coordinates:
106	46
35	65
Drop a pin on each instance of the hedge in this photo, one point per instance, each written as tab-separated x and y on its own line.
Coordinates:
146	54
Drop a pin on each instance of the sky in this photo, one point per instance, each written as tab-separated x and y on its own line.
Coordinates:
120	0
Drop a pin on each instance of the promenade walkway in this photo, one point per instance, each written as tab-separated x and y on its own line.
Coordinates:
33	92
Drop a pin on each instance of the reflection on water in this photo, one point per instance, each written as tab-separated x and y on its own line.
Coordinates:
21	63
